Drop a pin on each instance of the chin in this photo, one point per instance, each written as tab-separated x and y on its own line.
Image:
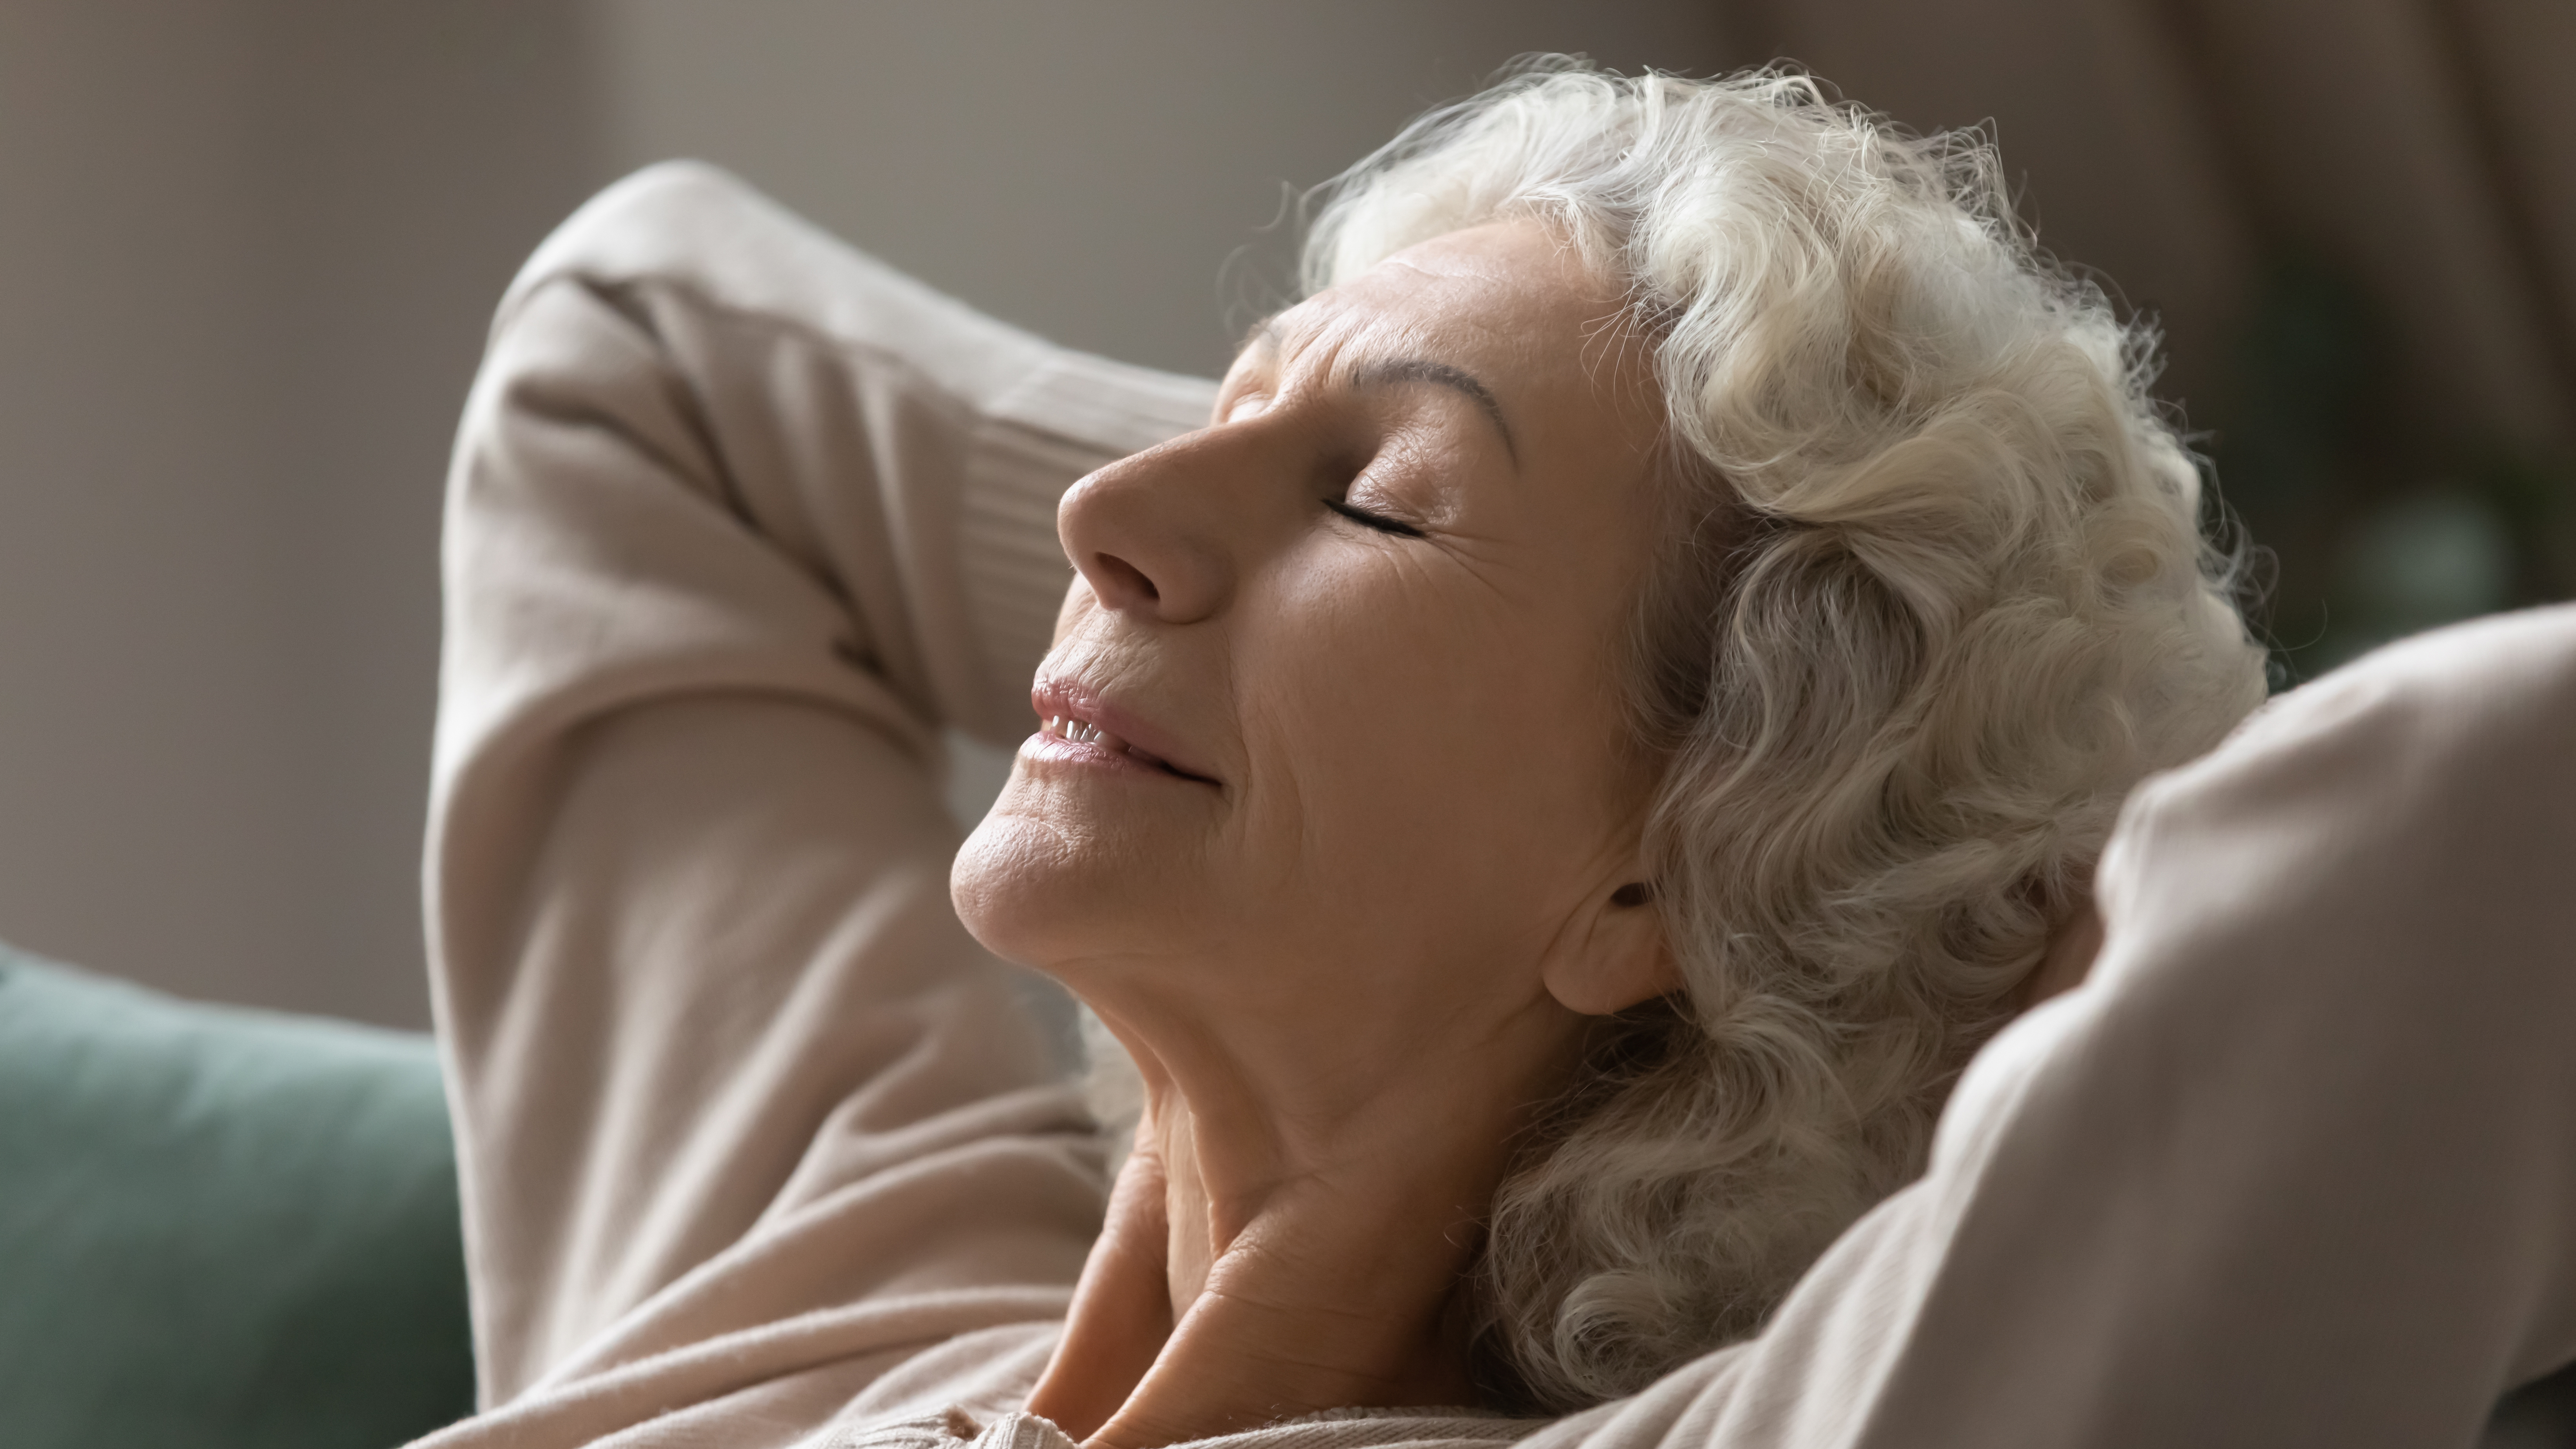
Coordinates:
1000	880
1039	891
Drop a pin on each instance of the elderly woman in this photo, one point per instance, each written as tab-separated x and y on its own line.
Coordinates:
1549	773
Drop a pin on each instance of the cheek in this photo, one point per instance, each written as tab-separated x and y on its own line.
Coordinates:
1420	744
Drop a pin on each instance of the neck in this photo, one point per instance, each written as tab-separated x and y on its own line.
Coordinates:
1380	1238
1285	1243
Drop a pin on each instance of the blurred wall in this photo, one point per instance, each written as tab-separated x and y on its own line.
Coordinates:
144	740
1084	170
247	250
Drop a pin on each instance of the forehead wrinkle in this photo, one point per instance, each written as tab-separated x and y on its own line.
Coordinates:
1279	340
1267	343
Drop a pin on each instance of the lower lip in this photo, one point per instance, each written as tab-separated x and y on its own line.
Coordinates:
1045	748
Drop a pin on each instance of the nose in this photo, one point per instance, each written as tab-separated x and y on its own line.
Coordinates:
1145	536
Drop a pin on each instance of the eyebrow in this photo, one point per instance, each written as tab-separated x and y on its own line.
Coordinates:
1263	337
1399	370
1439	374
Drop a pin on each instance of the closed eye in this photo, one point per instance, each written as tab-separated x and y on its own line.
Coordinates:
1378	521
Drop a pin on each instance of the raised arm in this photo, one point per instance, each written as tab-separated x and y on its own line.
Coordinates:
738	519
2298	1164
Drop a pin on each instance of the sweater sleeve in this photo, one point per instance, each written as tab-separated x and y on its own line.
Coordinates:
2296	1166
738	520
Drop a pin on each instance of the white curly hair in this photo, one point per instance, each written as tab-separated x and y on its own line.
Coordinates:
1934	596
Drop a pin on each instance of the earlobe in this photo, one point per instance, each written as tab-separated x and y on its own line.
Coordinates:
1622	958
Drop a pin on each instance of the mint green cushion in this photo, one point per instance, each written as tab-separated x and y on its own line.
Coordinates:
220	1227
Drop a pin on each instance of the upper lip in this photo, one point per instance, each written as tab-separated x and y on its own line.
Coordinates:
1072	699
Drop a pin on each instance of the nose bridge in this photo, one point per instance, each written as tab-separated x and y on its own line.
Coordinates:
1167	530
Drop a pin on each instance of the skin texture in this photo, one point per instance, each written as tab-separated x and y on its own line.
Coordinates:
1361	931
2069	960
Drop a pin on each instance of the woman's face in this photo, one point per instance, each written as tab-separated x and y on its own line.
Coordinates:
1334	758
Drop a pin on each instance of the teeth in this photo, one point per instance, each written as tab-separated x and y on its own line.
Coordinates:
1083	732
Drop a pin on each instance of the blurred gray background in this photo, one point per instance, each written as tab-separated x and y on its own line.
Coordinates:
248	247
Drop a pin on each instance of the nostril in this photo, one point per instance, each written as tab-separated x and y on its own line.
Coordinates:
1128	578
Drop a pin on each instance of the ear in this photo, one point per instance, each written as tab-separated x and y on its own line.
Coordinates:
1614	955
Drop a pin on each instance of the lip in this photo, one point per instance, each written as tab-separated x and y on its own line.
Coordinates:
1148	751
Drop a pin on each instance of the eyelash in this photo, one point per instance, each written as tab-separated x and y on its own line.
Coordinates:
1378	521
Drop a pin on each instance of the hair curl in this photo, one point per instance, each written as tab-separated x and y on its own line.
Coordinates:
1934	597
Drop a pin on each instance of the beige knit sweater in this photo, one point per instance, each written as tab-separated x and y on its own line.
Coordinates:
758	1148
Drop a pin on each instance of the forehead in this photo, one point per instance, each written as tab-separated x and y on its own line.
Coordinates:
1548	342
1504	293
